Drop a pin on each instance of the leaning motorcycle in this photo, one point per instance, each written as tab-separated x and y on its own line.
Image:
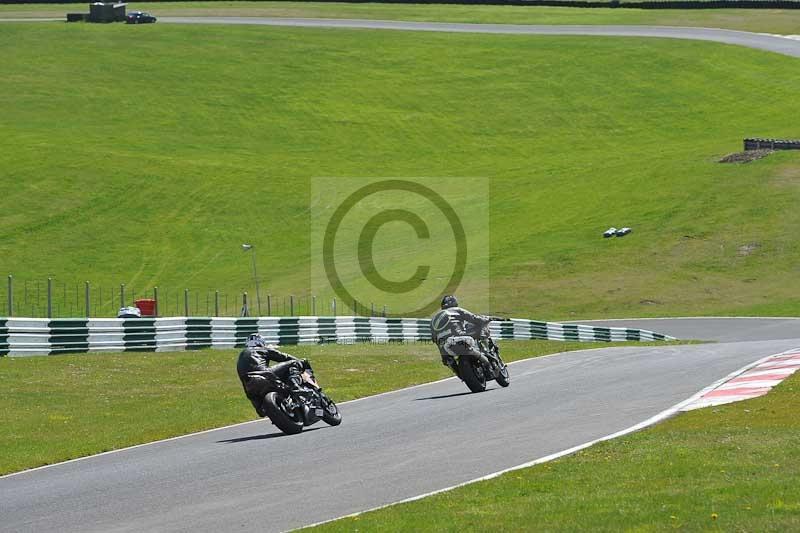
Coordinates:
474	372
293	409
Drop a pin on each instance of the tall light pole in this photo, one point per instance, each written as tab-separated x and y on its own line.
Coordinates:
250	247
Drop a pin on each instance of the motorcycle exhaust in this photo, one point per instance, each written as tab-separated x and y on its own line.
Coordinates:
311	415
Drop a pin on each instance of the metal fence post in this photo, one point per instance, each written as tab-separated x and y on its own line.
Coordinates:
245	310
122	295
291	305
49	297
10	295
185	302
87	295
372	309
334	307
269	305
155	301
384	311
216	303
314	305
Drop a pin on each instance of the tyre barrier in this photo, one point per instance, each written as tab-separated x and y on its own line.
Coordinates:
41	336
771	144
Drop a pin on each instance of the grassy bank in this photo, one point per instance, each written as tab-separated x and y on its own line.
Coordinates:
730	468
783	21
154	164
61	407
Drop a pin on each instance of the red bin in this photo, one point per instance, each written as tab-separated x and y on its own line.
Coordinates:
147	306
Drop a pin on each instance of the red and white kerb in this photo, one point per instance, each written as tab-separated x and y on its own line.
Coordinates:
756	381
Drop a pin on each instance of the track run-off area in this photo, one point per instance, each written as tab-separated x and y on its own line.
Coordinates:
403	444
390	447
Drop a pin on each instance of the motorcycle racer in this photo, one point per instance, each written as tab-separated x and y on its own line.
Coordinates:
455	331
258	378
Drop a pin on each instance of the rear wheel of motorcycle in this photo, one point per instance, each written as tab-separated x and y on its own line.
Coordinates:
274	405
331	416
472	375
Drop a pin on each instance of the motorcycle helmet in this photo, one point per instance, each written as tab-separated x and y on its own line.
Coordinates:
256	342
449	301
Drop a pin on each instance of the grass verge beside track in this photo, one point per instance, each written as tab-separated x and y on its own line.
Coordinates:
729	468
153	164
62	407
784	21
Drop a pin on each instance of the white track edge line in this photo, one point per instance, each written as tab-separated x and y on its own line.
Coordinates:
671	411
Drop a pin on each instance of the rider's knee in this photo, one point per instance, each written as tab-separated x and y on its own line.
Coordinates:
257	386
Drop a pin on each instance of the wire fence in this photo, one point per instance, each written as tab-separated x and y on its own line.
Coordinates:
51	298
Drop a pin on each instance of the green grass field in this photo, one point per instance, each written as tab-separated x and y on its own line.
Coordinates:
147	155
61	407
783	21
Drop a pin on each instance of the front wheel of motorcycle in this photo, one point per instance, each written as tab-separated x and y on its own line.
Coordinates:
472	374
331	415
287	421
503	377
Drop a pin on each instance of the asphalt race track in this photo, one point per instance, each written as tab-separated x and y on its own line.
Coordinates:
718	329
760	41
390	447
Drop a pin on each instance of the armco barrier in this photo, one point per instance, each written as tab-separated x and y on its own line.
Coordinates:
38	336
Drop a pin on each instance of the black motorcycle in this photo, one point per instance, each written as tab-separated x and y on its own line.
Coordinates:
474	372
291	410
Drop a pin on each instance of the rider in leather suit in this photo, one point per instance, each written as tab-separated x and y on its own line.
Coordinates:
258	378
455	331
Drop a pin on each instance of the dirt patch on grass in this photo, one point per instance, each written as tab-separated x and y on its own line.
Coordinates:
788	176
746	156
747	249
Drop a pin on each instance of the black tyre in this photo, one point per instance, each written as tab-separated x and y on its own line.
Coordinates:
472	374
287	421
503	377
331	416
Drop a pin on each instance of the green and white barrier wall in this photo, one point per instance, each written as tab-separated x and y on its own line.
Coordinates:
37	336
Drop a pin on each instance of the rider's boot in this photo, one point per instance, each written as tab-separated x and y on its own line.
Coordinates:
259	404
491	364
295	380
